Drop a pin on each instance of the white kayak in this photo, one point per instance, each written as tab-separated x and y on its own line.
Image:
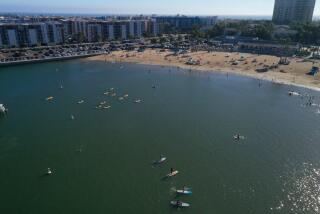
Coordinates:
293	93
49	98
49	172
184	192
174	173
179	204
162	160
3	110
238	137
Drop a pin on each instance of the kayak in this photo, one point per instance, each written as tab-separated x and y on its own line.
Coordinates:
162	160
238	138
179	204
3	110
49	172
184	192
293	93
174	173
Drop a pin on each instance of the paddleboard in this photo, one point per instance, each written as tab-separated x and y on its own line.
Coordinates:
174	173
184	192
180	204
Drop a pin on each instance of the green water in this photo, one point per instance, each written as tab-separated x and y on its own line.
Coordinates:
189	117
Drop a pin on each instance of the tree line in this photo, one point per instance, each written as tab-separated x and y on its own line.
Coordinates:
304	33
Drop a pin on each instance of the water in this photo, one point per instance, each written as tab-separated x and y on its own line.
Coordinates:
101	160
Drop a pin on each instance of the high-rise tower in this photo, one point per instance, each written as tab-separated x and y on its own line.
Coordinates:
287	11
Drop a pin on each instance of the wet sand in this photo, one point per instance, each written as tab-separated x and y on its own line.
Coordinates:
236	63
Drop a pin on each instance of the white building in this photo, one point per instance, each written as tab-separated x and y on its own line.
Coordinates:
110	32
153	28
54	30
44	33
12	38
131	28
94	32
123	32
1	43
32	37
139	27
80	26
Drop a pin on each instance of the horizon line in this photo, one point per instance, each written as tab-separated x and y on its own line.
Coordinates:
139	14
121	13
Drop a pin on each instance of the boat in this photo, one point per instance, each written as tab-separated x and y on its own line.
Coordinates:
49	172
107	107
138	101
103	102
162	160
126	96
3	109
49	98
72	117
113	95
179	204
106	93
81	101
184	191
121	98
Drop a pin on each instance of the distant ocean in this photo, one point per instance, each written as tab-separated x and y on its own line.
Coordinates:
244	17
239	17
106	14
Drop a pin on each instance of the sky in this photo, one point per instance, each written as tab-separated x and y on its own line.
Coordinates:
187	7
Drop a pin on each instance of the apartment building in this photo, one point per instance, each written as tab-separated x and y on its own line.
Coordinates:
288	11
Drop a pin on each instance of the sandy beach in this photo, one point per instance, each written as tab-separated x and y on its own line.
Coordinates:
236	63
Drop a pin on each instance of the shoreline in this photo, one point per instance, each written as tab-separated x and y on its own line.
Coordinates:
48	59
276	81
224	62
